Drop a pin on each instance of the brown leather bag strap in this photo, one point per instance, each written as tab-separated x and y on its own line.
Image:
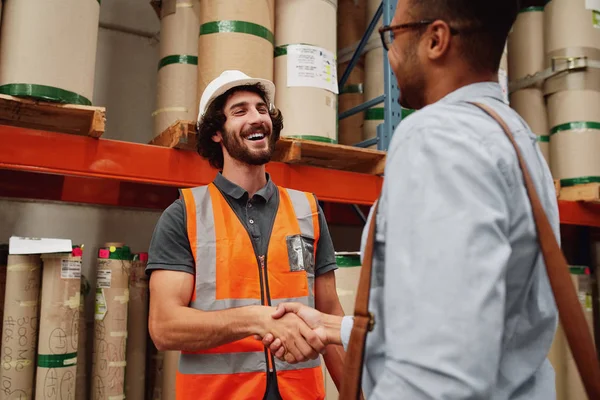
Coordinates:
363	322
569	309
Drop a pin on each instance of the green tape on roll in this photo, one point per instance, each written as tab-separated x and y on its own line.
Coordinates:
282	50
357	88
578	270
313	138
177	59
47	93
543	138
572	126
115	253
579	181
374	114
377	113
348	261
532	9
57	360
237	27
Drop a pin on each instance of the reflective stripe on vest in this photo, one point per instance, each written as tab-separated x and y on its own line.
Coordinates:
218	238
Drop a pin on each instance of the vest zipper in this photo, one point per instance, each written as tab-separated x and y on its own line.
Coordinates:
267	301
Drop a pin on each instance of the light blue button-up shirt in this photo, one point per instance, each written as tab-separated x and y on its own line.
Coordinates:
462	301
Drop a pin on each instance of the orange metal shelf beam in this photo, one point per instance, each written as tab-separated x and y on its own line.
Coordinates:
579	213
72	156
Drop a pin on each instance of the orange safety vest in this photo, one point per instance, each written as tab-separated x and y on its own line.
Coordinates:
238	370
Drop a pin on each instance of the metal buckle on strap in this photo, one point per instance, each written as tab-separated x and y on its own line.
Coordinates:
371	324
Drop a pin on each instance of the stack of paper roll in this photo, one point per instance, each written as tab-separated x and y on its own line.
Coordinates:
178	65
169	374
59	326
20	328
235	35
572	30
526	57
374	78
156	374
110	330
137	328
306	68
3	262
82	387
351	27
346	281
582	282
48	49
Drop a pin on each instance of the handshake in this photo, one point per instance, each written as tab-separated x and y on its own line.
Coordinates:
296	333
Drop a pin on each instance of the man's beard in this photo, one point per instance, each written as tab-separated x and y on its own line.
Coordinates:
239	150
411	80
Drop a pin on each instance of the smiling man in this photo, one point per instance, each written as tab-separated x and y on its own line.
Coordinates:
223	255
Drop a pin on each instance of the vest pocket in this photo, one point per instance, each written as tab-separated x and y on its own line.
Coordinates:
301	250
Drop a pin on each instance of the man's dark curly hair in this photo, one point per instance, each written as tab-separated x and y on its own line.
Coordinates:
214	119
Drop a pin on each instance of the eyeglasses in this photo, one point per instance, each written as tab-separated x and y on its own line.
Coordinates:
387	32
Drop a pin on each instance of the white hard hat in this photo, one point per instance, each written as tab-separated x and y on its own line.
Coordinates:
230	79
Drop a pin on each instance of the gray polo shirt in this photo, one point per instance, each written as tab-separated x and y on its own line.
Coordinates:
170	246
462	302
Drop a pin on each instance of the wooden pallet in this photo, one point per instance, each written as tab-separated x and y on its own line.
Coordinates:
55	117
588	192
182	135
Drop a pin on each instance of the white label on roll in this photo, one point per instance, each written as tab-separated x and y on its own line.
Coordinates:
70	269
101	309
503	80
104	278
592	4
311	66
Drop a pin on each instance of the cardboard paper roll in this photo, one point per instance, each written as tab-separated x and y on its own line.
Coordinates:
305	68
352	95
235	35
3	262
20	327
110	329
526	44
346	279
64	35
169	372
351	26
374	87
372	6
558	358
575	389
574	120
178	65
137	328
530	105
81	392
59	326
157	373
571	29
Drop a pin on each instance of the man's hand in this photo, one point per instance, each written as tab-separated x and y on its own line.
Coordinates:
296	341
310	316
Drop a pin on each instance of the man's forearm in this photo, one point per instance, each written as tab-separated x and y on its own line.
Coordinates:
187	329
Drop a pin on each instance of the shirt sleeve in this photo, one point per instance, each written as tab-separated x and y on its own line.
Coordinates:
170	247
446	254
325	259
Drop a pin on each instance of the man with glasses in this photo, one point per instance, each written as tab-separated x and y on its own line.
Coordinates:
462	303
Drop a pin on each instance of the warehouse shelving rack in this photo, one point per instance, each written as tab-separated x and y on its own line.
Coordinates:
42	163
391	107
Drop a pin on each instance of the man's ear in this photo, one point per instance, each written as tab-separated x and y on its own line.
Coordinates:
217	137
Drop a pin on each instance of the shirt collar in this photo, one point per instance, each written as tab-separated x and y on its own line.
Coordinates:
473	91
235	191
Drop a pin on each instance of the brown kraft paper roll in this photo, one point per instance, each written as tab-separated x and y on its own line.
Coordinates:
178	66
81	391
137	328
20	328
110	330
169	373
59	327
222	47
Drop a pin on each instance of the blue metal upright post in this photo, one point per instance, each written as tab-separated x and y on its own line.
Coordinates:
391	107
